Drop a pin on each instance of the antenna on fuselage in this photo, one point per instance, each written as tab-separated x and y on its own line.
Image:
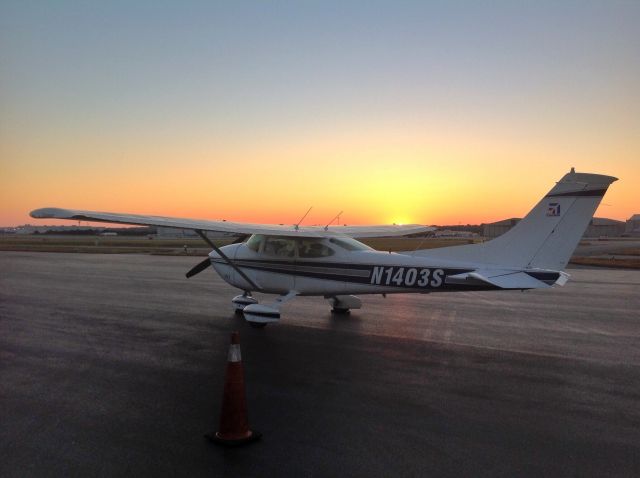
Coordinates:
302	218
331	222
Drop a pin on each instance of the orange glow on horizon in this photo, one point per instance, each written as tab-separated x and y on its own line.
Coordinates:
400	179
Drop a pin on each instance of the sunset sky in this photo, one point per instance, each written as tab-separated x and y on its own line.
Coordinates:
409	112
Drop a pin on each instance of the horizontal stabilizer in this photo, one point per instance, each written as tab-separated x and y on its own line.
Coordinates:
499	279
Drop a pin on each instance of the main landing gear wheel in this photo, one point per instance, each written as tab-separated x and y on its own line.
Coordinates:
342	304
335	310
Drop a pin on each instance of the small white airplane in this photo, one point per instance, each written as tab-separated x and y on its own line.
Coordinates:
327	261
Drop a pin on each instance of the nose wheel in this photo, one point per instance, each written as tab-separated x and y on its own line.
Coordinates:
239	302
340	311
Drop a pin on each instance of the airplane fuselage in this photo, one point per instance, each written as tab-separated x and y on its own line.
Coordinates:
343	272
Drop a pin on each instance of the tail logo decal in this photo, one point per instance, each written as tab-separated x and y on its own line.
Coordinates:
554	209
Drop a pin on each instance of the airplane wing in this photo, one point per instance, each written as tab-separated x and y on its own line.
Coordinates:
228	226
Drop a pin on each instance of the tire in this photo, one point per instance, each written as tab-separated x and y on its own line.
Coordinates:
340	311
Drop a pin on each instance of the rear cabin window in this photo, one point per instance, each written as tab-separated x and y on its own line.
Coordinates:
254	242
280	247
308	248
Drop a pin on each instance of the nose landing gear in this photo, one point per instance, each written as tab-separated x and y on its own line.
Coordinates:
239	302
259	315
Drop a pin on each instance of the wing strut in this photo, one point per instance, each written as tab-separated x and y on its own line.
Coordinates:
226	259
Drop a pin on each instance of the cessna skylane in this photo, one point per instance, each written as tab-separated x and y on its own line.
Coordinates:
328	261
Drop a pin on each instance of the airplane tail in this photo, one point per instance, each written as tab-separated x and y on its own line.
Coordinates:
547	236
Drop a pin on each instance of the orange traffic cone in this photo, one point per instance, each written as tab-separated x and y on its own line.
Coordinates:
234	424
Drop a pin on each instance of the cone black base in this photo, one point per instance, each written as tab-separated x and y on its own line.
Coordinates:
214	438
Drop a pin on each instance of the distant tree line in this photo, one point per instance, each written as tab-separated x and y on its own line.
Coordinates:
121	231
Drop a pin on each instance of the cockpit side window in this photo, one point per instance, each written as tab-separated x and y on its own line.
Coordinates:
254	242
350	244
308	248
280	247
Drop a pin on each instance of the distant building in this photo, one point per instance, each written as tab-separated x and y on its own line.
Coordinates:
450	233
598	227
632	226
172	232
603	227
495	229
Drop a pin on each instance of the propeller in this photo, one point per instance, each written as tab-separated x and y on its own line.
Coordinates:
198	268
206	263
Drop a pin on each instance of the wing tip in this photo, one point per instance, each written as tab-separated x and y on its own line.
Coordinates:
47	212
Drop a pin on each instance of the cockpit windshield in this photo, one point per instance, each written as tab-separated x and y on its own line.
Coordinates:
254	242
350	244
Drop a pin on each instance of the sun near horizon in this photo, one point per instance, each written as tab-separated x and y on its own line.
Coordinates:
415	113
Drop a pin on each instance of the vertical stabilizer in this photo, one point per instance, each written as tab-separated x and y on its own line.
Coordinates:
548	235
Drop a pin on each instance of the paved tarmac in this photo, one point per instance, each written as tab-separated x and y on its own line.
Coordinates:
112	365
